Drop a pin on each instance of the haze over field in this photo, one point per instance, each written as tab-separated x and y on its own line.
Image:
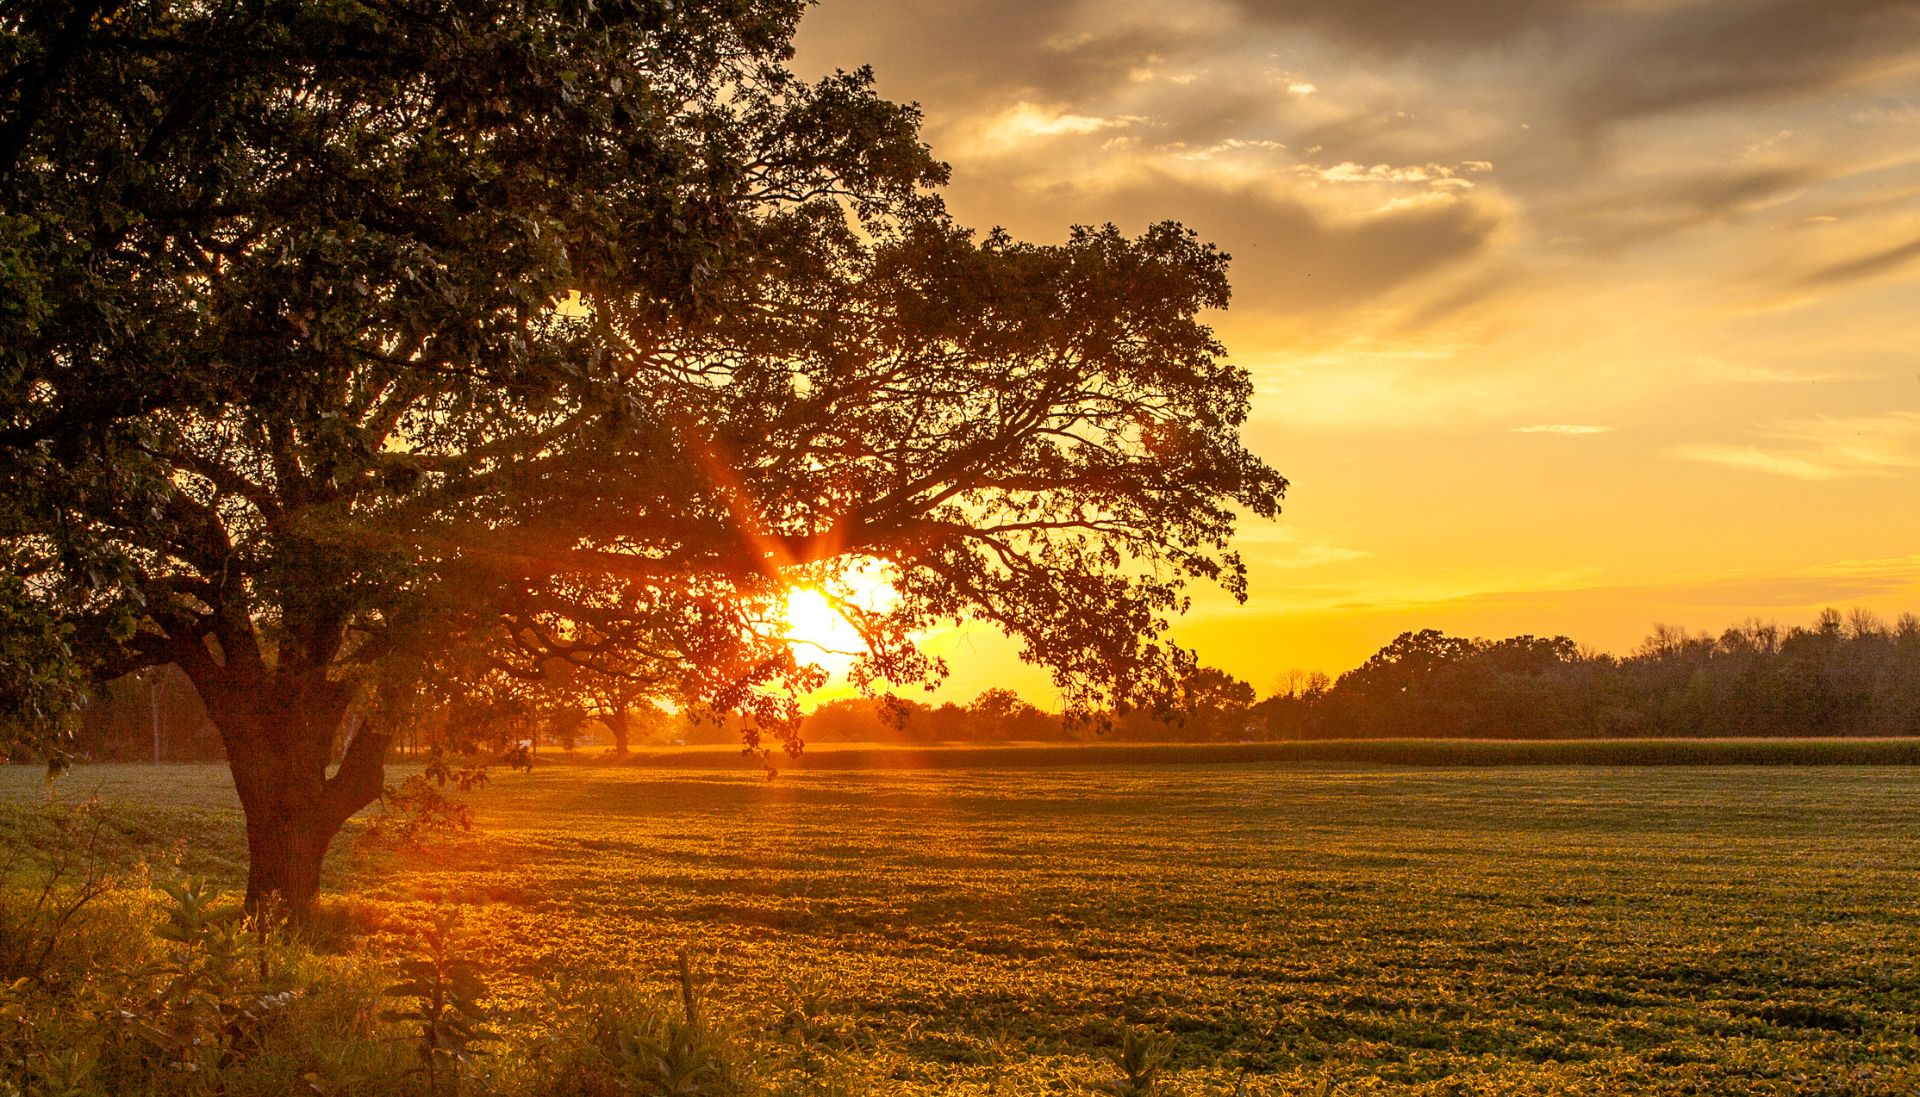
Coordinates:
1566	317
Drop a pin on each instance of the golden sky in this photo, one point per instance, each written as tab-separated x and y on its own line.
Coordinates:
1566	316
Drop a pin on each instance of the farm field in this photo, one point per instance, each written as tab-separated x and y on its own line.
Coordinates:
1398	752
1369	929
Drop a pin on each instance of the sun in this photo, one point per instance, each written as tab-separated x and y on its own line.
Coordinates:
816	628
820	633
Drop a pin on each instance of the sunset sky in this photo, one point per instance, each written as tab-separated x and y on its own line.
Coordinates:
1565	317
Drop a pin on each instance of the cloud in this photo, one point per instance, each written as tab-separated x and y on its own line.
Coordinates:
1799	466
1365	384
1571	429
1025	122
1840	581
1737	593
1642	209
1411	24
1823	448
1284	547
1314	260
1865	266
1755	373
1439	176
1692	56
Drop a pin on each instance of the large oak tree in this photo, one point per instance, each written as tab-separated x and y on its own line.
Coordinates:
359	352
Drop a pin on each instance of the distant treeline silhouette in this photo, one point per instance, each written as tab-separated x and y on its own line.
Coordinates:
1852	675
1844	675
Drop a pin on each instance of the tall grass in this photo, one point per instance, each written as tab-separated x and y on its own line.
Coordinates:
115	985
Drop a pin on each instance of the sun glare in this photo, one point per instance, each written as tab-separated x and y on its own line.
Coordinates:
820	633
817	628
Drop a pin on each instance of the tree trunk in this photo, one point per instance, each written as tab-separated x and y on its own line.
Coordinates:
294	810
279	732
621	725
286	846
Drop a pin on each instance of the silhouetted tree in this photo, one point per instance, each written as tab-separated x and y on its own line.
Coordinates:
373	365
1000	713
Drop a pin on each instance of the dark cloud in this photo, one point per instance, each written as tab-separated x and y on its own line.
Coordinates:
1529	86
1639	212
1290	258
1588	63
1718	194
1417	24
1367	134
974	51
1633	60
1732	51
1865	266
952	51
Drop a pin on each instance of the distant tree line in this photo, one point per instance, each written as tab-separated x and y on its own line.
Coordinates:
1845	675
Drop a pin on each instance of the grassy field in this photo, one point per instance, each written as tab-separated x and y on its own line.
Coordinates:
1537	930
1394	752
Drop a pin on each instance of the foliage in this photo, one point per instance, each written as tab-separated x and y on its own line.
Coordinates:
1846	676
629	1045
54	859
424	803
212	990
41	685
1139	1059
1447	753
174	994
443	1001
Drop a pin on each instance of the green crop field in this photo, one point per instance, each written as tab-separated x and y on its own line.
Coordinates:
1522	930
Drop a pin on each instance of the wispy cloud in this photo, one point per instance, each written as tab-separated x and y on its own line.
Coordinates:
1866	266
1439	176
1799	466
1823	448
1833	583
1758	373
1025	122
1562	428
1284	547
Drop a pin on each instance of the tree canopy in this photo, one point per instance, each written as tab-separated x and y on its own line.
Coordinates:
360	355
